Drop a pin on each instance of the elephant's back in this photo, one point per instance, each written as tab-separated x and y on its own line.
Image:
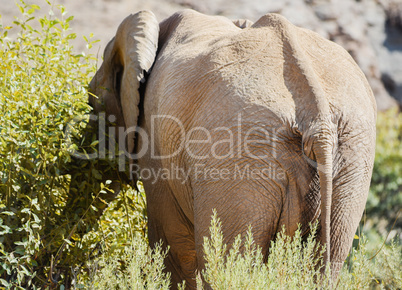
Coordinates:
287	69
209	71
257	66
209	64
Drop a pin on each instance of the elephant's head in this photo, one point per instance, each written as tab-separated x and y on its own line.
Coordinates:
114	94
115	87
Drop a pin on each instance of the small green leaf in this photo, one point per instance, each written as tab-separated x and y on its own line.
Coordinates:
94	143
5	283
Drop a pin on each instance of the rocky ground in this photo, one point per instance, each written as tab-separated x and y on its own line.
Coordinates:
371	30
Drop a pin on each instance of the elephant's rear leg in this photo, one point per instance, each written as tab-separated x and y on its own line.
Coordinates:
347	209
168	223
237	208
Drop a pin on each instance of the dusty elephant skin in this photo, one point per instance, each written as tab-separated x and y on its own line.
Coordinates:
268	123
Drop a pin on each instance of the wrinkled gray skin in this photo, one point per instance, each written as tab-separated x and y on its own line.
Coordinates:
302	103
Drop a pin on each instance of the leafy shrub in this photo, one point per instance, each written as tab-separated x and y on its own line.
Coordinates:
292	264
133	266
42	89
138	268
119	234
388	270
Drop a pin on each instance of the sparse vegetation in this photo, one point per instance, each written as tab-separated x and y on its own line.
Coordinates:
55	235
385	198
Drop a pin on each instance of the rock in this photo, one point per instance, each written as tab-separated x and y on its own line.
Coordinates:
387	42
393	11
325	12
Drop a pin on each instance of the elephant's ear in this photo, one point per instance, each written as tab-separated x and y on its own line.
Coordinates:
243	23
134	52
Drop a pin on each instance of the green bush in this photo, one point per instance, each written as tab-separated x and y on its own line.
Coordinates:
387	268
294	264
124	259
120	232
45	212
42	86
136	267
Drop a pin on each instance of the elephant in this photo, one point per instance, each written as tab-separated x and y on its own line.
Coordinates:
268	123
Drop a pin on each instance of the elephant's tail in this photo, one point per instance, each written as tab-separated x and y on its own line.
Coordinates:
318	148
324	167
313	112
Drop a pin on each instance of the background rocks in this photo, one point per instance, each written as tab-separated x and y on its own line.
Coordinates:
371	30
